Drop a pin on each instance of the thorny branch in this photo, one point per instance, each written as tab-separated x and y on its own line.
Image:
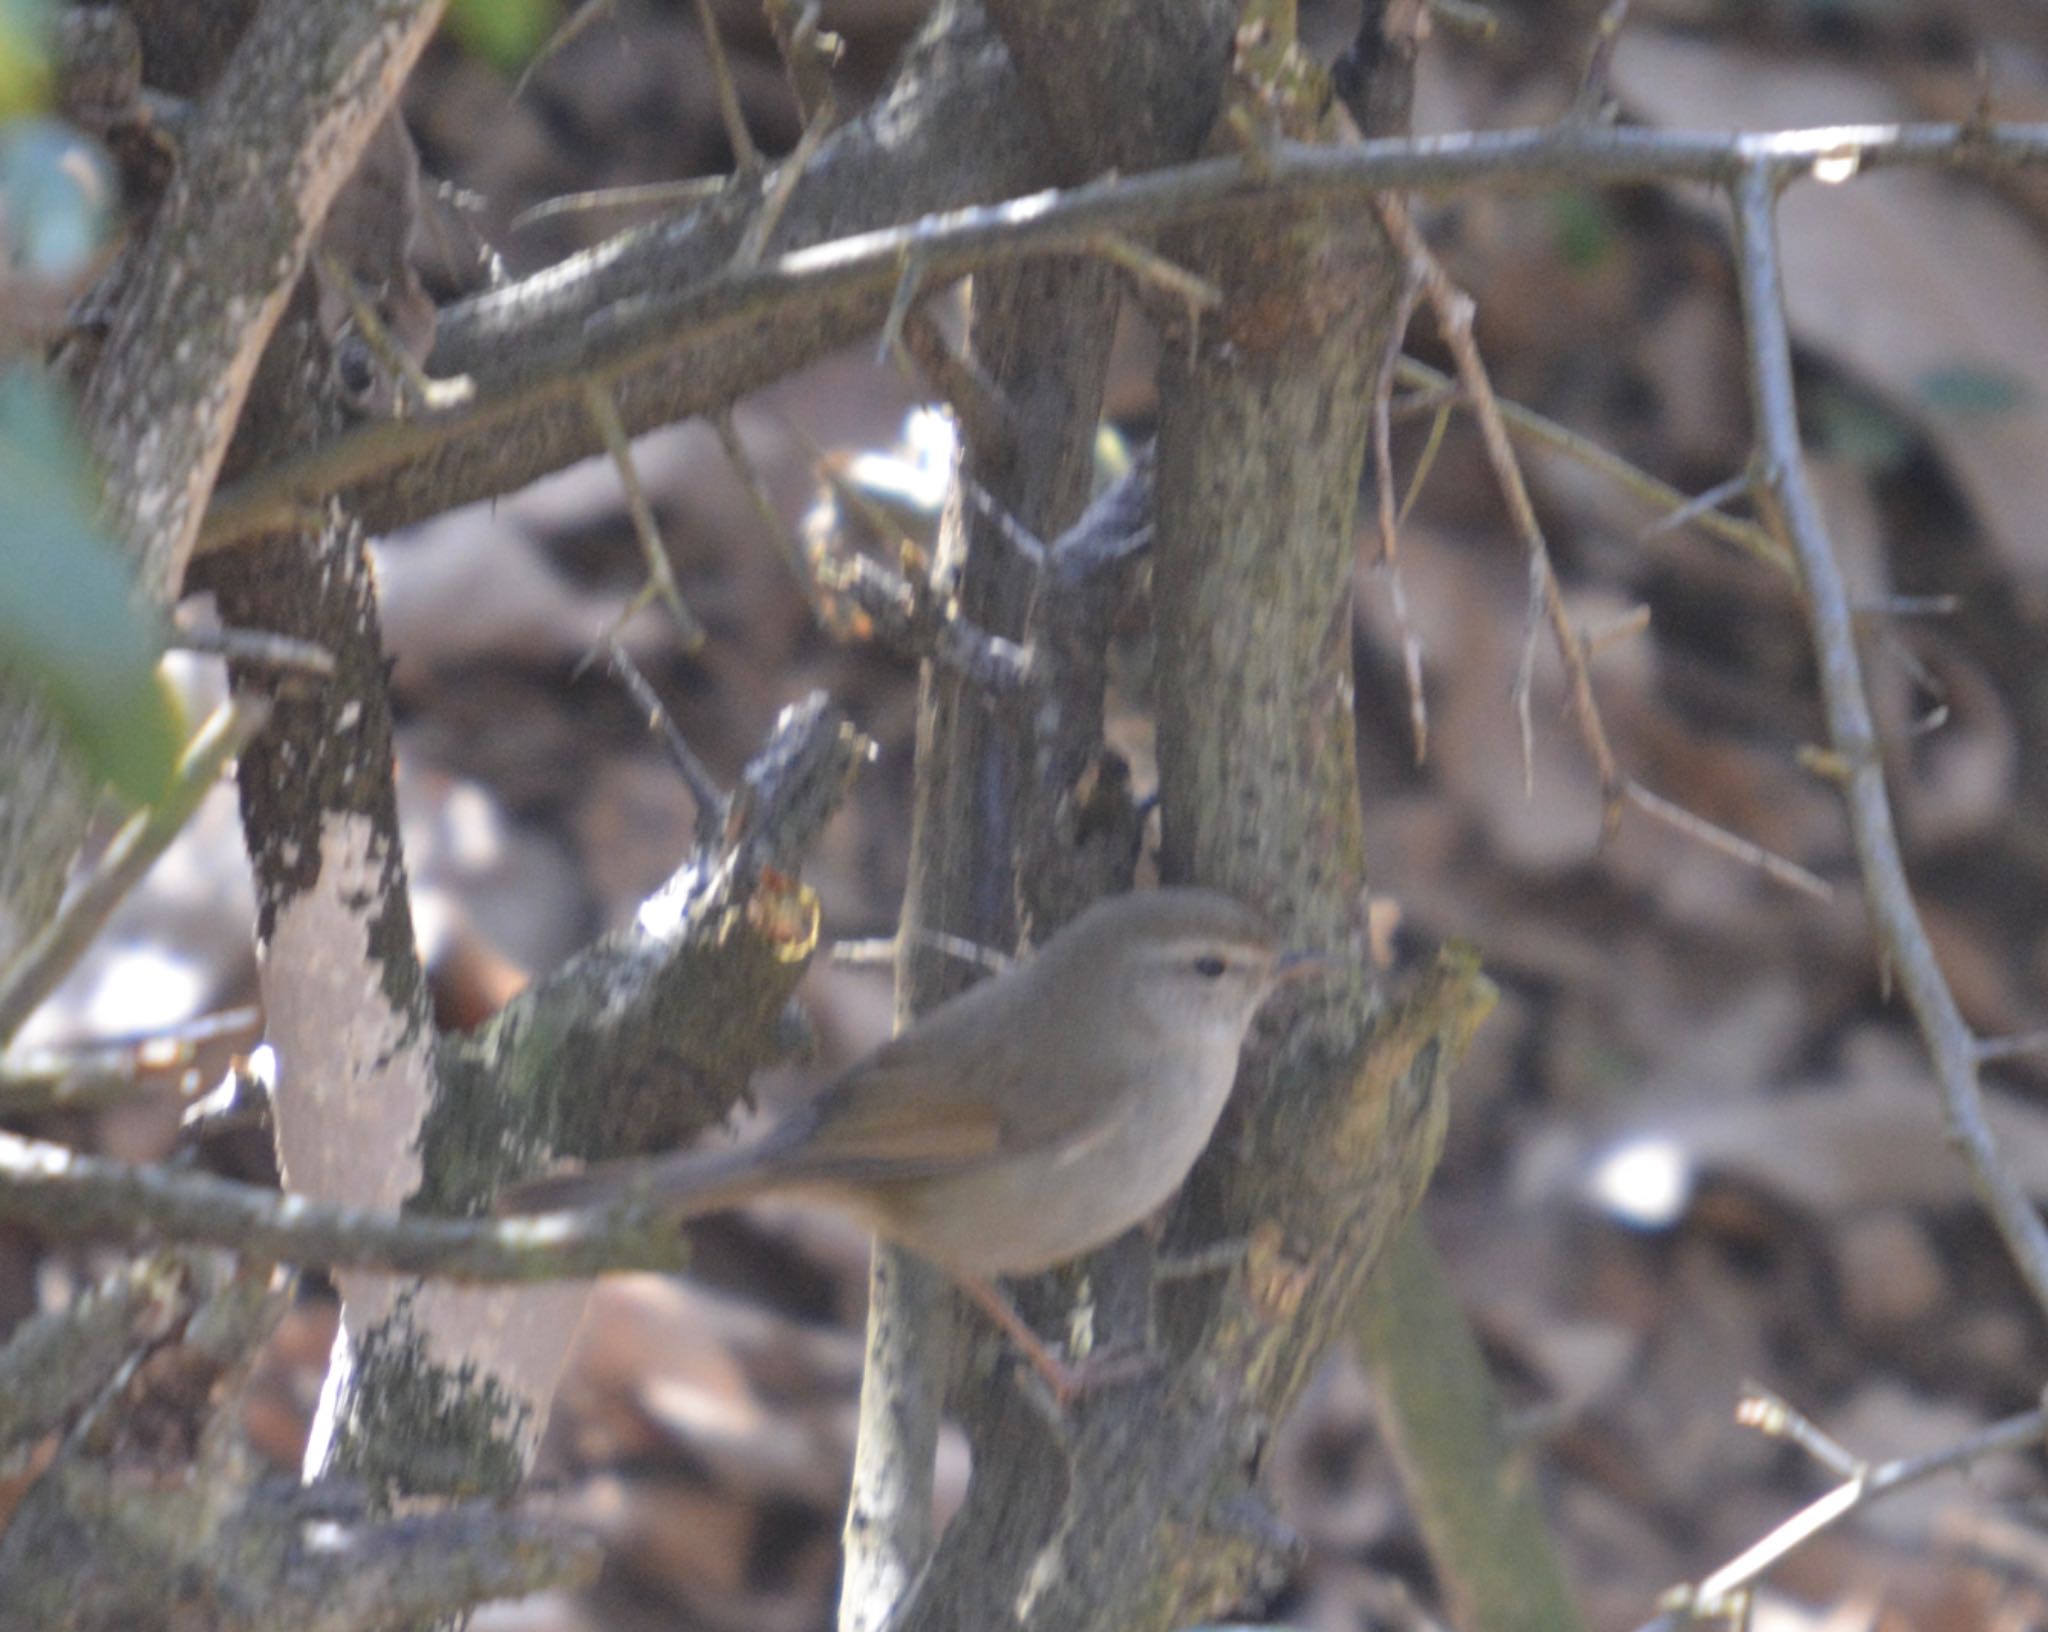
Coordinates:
532	347
1453	309
1701	512
1793	511
1782	492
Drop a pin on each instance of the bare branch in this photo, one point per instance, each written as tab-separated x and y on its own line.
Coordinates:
711	802
1453	310
1776	1417
679	331
57	1190
41	1083
270	148
1154	274
1794	512
1594	100
1734	845
674	194
746	156
2012	1048
782	188
807	52
1546	600
259	648
311	1559
589	12
1392	519
1677	509
749	473
1717	1594
1708	504
661	578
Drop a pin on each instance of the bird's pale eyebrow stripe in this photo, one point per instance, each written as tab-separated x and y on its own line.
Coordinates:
1207	946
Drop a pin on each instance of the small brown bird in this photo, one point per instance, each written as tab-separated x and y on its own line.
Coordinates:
1027	1121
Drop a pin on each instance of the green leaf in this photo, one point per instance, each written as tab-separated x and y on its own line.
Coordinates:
69	623
503	32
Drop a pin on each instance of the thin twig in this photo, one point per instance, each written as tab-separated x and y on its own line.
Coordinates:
1524	690
410	380
1453	309
786	540
671	193
87	1197
1702	505
49	954
711	801
1027	544
1715	1593
1776	1417
1411	658
1422	400
260	648
112	1073
661	578
1425	461
1906	606
679	320
1192	293
576	22
1676	508
889	345
1593	101
2010	1048
1629	625
782	188
1794	512
807	54
745	155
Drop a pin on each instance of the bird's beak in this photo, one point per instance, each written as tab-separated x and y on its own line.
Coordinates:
1295	964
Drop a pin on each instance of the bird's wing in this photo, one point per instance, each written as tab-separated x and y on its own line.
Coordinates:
962	1086
891	1115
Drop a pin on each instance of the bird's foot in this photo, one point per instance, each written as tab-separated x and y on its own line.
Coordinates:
1067	1379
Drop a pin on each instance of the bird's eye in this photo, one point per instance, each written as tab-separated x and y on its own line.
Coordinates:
1210	967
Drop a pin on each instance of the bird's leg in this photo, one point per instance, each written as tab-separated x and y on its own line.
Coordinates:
1067	1379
